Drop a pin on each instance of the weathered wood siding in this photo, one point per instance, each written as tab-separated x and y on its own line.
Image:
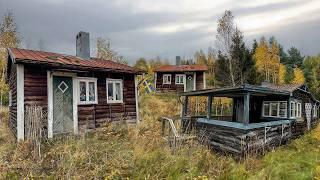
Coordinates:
89	116
199	80
243	142
12	81
173	87
93	116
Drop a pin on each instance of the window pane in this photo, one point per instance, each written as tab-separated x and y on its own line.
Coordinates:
274	109
118	92
283	109
266	108
293	107
92	91
82	91
110	91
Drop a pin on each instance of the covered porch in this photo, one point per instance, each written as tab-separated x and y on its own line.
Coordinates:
246	127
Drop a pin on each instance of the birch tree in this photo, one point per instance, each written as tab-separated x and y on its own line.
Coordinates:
225	32
8	38
104	51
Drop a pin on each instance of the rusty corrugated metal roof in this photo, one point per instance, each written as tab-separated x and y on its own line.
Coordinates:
181	68
61	60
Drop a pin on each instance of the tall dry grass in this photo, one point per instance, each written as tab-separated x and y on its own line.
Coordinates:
120	151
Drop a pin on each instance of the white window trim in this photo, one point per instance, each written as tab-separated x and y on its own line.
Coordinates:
315	112
278	110
183	78
168	75
87	80
108	80
296	108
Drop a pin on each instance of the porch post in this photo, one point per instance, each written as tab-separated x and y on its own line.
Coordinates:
185	107
246	106
289	107
209	106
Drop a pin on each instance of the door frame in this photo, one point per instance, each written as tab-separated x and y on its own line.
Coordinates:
50	75
194	81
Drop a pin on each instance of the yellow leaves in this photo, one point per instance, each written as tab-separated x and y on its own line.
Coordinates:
298	76
268	60
282	74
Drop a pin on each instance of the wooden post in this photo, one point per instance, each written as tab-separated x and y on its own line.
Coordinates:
289	107
246	106
209	106
185	106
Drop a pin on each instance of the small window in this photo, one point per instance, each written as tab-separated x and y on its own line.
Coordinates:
179	79
293	110
167	79
266	108
87	90
315	109
114	91
10	98
283	109
298	110
274	109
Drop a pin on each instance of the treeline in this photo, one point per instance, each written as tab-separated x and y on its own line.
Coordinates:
233	63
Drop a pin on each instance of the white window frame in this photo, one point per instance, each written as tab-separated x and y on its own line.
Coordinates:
87	80
177	77
278	109
114	81
315	112
298	110
165	76
10	98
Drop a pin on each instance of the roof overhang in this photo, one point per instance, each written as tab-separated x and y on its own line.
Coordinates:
236	91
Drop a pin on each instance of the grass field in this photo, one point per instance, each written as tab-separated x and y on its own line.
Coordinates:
138	152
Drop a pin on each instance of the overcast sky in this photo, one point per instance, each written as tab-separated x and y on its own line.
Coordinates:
165	28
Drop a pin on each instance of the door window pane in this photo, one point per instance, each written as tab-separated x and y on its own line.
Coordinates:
83	91
92	91
110	91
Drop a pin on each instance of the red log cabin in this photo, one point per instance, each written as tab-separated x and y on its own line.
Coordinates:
76	93
180	78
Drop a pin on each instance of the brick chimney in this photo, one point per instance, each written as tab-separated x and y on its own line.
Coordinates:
83	45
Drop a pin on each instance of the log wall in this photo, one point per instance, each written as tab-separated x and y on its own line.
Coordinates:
12	81
160	87
242	142
89	116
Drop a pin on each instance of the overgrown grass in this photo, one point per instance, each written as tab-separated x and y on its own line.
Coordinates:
138	152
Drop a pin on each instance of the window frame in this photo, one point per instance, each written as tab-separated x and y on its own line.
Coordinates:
114	81
298	109
315	111
87	80
269	114
183	79
163	78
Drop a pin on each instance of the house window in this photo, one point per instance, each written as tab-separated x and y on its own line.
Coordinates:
295	110
88	91
114	91
315	113
10	98
167	79
274	109
298	110
179	79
